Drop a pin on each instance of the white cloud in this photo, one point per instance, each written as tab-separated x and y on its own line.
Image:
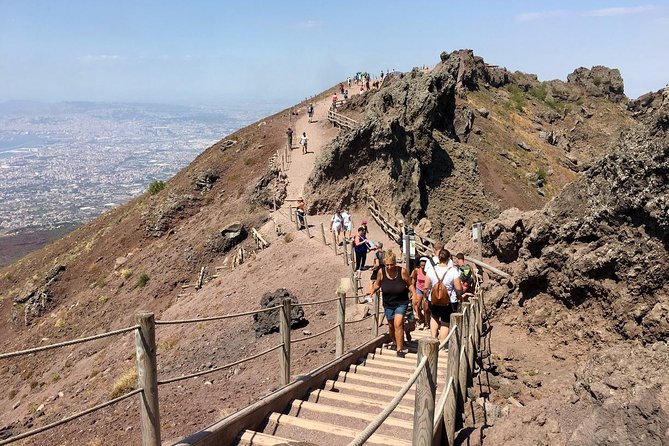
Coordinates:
604	12
610	12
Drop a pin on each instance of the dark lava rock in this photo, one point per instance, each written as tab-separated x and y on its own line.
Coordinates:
604	240
268	322
600	81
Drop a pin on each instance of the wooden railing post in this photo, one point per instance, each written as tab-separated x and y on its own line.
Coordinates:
147	378
341	321
306	225
454	405
346	251
290	212
466	319
334	242
426	387
284	351
325	242
375	305
407	253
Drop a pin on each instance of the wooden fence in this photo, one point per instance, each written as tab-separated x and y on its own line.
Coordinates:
148	380
339	120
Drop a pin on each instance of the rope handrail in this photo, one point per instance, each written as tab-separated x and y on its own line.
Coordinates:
444	343
216	369
439	408
66	343
314	303
216	318
68	419
293	341
358	320
392	405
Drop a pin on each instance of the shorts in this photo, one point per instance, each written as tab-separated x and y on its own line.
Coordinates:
348	226
375	274
390	312
443	312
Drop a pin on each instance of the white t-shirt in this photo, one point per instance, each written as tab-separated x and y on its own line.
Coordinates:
435	259
347	220
336	222
450	274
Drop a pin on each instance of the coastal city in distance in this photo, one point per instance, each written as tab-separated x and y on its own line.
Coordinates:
66	163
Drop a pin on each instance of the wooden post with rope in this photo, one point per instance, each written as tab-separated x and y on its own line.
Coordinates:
334	242
147	378
325	242
284	351
341	322
375	305
455	404
346	252
426	387
306	224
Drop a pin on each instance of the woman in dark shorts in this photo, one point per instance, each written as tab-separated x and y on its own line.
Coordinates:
450	277
395	285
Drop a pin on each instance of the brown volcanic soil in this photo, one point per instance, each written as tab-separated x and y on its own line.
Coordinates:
169	237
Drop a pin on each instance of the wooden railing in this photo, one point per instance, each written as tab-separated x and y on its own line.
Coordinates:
340	120
147	374
437	422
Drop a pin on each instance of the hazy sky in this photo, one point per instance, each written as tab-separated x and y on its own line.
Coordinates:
280	51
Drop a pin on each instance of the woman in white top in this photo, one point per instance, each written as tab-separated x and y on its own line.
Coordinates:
348	224
337	220
450	277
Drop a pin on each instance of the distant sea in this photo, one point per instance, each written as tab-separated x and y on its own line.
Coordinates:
63	164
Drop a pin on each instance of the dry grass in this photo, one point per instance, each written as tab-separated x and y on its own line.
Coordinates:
124	384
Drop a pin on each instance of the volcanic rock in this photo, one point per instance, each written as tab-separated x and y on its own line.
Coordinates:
268	322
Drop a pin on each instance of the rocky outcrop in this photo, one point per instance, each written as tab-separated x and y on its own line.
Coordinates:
268	322
600	81
270	189
36	301
604	239
407	151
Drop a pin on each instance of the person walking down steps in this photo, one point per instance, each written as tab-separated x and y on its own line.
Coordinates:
303	142
361	247
310	111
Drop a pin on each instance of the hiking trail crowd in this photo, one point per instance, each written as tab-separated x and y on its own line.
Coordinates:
422	297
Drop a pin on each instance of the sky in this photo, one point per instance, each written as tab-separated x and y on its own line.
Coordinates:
218	52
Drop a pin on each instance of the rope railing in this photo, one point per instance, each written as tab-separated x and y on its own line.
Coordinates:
363	436
68	419
320	302
216	369
66	343
216	318
451	333
294	341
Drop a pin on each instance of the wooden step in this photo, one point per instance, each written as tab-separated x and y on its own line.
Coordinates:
299	406
334	385
379	371
384	351
395	359
252	438
328	395
281	419
357	377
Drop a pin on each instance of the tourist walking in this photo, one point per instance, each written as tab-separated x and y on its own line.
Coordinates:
360	246
442	285
300	212
419	301
289	134
395	286
303	142
310	111
334	102
337	221
348	223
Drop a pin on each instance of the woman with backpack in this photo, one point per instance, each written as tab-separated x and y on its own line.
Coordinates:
442	286
395	286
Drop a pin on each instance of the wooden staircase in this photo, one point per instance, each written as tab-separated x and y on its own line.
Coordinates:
341	408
